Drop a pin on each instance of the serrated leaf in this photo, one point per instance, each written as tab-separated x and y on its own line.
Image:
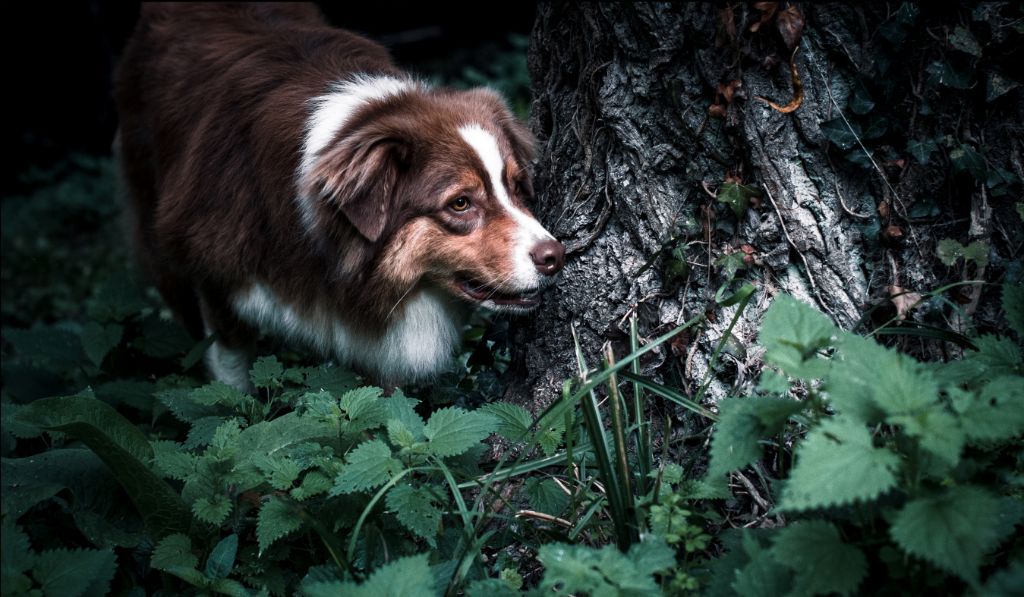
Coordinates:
360	401
451	431
513	420
314	483
405	577
266	372
607	571
70	573
15	552
868	381
418	509
546	496
200	432
276	519
938	432
218	393
174	550
213	509
280	471
837	464
953	529
335	380
822	563
996	414
400	435
742	424
792	334
761	575
222	558
171	460
369	465
123	448
179	402
98	340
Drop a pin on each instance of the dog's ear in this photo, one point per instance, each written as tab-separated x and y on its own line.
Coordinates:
359	177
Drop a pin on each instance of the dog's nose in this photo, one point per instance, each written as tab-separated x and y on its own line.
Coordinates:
548	256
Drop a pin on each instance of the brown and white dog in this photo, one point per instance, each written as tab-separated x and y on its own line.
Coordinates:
283	175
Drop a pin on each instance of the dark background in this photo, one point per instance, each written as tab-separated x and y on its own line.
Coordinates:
60	57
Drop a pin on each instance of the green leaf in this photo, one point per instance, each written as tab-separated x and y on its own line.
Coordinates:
792	334
945	72
742	424
174	550
996	85
213	509
369	465
163	339
922	150
962	39
266	372
451	431
418	509
822	563
838	132
314	483
172	461
761	575
513	420
580	569
405	577
996	414
837	464
58	350
277	518
953	529
98	340
1013	304
123	448
222	558
965	159
860	100
737	197
335	380
546	496
70	573
218	393
16	557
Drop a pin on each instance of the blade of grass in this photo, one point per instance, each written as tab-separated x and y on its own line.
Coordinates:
740	297
643	436
619	436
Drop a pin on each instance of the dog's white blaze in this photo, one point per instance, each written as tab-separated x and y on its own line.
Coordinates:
329	114
419	344
530	232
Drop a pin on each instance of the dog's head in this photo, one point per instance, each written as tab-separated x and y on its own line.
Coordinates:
436	182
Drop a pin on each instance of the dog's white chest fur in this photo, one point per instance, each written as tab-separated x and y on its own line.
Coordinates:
418	344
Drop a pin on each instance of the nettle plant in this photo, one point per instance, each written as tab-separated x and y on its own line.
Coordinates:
910	471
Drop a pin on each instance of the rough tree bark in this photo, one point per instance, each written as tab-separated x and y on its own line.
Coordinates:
633	149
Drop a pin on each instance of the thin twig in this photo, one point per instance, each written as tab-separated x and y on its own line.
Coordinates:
835	182
545	517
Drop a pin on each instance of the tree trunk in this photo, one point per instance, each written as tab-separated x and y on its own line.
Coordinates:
646	111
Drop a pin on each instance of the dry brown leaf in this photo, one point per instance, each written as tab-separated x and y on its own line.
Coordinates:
883	209
791	25
716	111
729	90
904	300
767	12
728	21
798	90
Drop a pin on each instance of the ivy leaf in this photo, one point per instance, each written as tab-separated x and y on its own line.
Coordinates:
962	39
742	423
369	465
405	577
737	197
836	464
953	529
822	563
945	72
70	573
276	519
266	372
965	159
173	550
792	334
417	508
98	340
839	133
222	558
451	431
996	85
922	150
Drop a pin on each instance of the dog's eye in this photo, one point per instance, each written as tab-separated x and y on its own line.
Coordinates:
460	204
